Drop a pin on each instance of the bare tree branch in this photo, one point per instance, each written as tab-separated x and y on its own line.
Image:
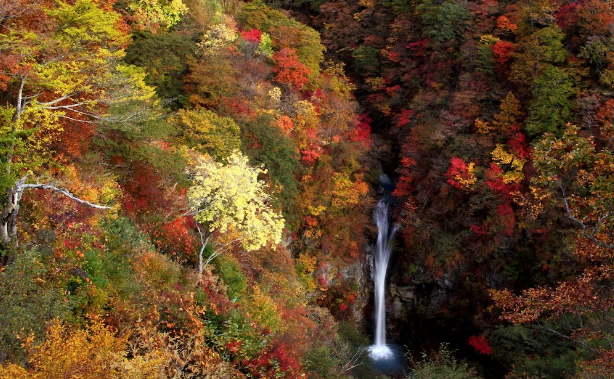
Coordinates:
65	193
585	232
561	335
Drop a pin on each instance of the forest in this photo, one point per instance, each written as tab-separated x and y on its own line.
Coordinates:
187	187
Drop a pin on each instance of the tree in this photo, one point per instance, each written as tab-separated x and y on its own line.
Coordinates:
151	14
62	70
230	198
289	69
573	169
208	132
445	21
268	145
551	106
536	52
576	176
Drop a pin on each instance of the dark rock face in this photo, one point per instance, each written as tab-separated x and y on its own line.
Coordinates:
408	305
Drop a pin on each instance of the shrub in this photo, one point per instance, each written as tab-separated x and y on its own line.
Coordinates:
441	365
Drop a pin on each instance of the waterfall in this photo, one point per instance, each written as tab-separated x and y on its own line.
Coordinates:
379	350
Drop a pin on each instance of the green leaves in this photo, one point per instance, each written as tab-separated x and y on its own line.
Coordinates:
445	21
550	109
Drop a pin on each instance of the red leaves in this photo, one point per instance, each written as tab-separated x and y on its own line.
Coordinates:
404	117
480	230
419	47
252	35
460	174
503	51
289	69
362	132
566	16
278	362
176	238
518	144
405	183
506	218
480	344
391	91
494	178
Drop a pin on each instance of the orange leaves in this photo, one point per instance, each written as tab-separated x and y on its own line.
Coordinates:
606	113
595	18
311	154
289	70
69	353
505	24
585	295
285	123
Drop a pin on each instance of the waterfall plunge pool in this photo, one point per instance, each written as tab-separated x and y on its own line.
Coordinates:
388	359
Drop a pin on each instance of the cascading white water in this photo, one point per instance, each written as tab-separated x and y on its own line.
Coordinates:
379	350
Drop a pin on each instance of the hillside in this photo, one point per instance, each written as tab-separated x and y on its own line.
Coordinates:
188	185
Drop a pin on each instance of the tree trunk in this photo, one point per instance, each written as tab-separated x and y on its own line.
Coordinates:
8	223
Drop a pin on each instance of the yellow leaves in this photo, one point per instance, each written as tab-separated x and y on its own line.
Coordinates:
306	115
150	14
225	195
90	183
69	353
85	22
488	39
13	371
128	84
345	193
483	127
216	38
306	263
502	157
93	353
367	3
316	211
376	84
274	96
263	309
471	179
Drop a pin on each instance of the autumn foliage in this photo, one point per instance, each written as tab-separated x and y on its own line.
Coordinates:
289	70
187	185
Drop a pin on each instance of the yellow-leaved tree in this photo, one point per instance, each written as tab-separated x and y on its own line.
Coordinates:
60	68
229	197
